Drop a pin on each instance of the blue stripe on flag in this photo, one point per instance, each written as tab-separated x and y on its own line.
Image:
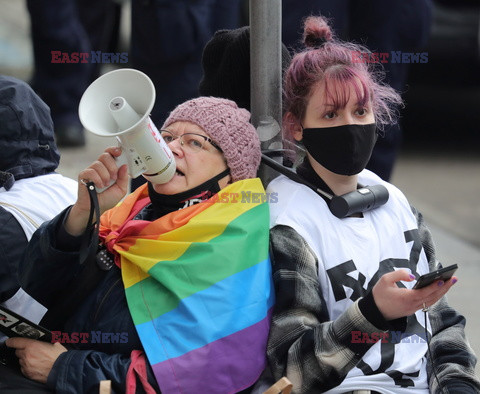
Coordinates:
180	330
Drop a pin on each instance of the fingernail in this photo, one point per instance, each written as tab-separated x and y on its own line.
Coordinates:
412	276
454	280
441	283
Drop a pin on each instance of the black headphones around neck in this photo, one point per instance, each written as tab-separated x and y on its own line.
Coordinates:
365	198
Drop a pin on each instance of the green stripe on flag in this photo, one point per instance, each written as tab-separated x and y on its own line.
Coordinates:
231	252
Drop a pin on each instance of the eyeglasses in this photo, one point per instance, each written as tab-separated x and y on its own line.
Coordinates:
190	141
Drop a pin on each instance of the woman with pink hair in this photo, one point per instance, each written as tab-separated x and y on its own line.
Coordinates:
347	246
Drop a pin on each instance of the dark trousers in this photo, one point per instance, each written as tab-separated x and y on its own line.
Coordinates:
70	26
168	37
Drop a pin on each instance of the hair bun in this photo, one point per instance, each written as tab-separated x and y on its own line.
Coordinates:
315	42
316	32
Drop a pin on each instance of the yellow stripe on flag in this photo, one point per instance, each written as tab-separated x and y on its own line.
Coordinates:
203	227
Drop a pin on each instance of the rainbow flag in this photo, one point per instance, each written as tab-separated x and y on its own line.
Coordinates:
198	286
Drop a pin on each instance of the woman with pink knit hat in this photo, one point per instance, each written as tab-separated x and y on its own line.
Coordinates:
185	304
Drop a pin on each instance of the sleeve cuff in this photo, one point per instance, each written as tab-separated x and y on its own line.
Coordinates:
53	375
352	328
65	241
369	309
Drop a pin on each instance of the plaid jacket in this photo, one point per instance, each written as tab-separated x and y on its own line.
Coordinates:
316	354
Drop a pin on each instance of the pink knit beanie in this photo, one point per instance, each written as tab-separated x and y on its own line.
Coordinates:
229	128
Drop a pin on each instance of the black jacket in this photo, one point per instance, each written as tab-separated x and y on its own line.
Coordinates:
103	321
28	149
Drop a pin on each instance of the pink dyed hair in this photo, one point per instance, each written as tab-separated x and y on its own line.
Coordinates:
331	61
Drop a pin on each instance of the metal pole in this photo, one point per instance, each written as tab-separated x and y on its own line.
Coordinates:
266	76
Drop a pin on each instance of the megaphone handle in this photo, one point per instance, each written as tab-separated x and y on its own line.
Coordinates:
120	160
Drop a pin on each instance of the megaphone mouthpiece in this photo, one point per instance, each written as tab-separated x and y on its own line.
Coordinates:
125	116
117	103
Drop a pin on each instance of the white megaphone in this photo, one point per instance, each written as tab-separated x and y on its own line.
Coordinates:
118	104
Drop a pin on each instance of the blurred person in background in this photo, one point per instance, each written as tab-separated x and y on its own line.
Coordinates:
69	28
168	37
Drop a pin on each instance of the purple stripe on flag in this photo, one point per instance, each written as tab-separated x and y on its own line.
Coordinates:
227	365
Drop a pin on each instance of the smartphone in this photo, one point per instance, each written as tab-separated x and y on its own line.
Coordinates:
440	274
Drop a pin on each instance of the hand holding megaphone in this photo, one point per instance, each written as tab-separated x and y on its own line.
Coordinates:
118	104
106	174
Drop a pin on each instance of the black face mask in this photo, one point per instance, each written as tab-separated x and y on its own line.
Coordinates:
344	150
163	203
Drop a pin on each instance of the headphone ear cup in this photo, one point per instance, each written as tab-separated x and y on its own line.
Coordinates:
360	200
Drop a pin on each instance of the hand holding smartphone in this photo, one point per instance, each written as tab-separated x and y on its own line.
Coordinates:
440	274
